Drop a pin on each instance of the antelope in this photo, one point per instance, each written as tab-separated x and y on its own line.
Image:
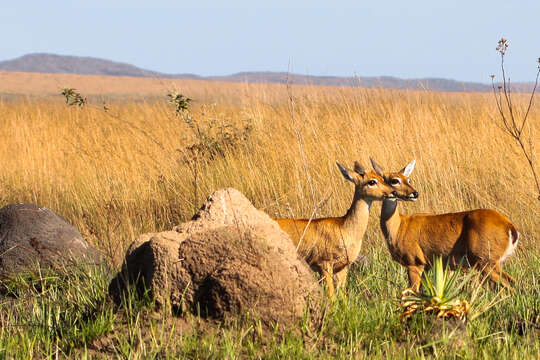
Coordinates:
330	245
481	238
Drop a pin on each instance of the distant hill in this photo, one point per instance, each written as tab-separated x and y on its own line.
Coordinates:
361	81
62	64
65	64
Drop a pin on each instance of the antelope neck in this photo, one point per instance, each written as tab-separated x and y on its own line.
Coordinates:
390	219
356	218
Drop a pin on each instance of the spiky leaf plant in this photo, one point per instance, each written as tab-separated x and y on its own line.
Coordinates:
73	97
180	102
440	294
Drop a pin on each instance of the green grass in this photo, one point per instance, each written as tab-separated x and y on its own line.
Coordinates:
46	313
71	316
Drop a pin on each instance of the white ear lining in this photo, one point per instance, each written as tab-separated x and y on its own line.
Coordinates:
409	168
345	172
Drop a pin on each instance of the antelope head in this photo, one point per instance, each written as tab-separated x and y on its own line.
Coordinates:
368	185
399	181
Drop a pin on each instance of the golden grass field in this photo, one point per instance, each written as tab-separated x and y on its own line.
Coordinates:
119	173
116	168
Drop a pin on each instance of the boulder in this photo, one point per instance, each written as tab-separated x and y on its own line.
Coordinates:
33	236
229	260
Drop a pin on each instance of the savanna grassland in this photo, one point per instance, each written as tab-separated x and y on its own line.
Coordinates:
117	167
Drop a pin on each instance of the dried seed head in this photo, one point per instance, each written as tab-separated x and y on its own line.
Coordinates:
502	46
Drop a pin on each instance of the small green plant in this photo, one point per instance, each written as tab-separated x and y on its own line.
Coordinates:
440	294
213	138
73	97
180	102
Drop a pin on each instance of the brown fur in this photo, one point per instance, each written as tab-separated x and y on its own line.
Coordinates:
330	245
473	238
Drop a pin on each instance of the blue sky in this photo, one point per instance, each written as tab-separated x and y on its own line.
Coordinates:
408	39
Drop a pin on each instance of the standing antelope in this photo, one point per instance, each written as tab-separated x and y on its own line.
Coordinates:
483	238
330	245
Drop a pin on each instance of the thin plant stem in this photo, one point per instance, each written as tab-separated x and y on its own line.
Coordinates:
513	127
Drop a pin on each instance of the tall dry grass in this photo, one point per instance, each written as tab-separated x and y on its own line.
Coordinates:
117	174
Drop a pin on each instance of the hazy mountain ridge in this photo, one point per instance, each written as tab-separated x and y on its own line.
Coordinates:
58	64
63	64
361	81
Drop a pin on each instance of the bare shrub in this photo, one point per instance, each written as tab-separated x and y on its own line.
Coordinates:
514	124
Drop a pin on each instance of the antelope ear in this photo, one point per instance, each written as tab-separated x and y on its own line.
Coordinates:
347	174
407	170
378	168
359	169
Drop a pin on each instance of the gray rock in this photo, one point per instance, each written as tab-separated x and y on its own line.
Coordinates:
31	235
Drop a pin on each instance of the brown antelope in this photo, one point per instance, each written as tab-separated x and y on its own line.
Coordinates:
482	238
330	245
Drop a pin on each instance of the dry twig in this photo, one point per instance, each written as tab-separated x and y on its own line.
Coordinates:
514	126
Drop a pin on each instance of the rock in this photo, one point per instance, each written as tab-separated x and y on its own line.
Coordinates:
230	260
32	235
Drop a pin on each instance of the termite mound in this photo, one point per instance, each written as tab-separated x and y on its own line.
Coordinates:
230	261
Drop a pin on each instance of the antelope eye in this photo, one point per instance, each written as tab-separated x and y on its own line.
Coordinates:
394	182
372	182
